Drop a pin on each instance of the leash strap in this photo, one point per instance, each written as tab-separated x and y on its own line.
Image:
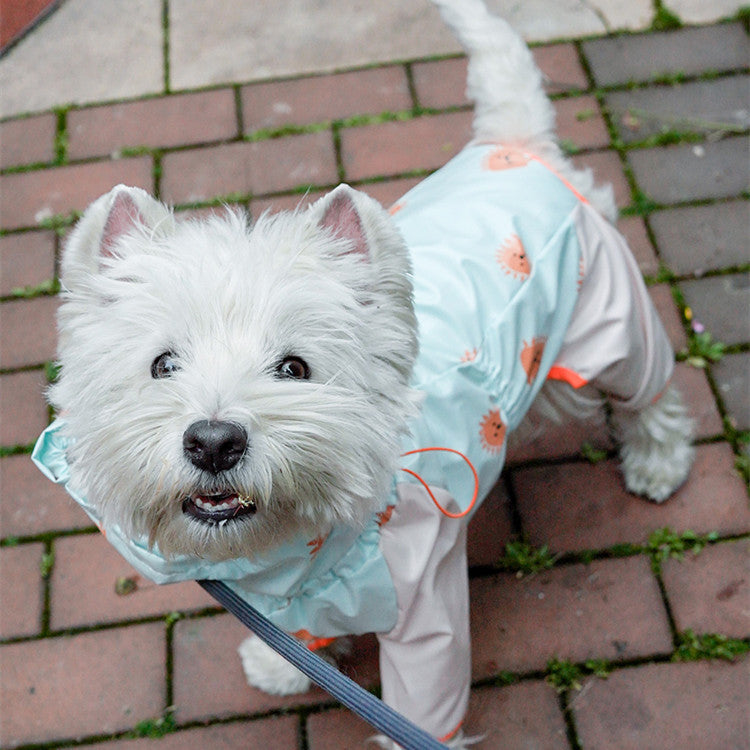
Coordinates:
346	691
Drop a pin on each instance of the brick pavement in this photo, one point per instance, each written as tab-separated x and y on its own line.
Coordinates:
661	116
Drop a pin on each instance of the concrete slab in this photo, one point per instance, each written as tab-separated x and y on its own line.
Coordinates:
103	50
89	50
699	11
213	42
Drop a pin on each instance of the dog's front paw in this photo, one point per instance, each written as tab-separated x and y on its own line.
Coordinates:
269	671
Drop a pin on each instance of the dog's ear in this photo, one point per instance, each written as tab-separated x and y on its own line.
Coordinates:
105	223
340	213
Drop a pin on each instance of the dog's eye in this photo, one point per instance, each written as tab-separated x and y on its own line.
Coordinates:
164	366
293	368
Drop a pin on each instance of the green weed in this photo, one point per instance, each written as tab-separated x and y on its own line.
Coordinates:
523	559
665	543
693	647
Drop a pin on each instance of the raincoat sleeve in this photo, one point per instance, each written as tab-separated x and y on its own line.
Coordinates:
425	661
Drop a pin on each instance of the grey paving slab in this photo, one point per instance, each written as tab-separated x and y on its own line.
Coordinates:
691	172
89	50
690	51
716	106
732	376
696	239
722	305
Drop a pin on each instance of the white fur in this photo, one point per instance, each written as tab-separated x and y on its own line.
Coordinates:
331	285
269	671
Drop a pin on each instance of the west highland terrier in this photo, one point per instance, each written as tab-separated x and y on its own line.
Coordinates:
312	407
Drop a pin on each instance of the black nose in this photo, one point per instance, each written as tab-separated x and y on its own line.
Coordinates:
214	446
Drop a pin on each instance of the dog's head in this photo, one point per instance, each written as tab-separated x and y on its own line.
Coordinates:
227	387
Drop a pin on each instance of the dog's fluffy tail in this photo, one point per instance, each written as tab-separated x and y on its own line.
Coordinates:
503	80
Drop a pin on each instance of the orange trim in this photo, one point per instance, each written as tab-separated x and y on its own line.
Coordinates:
451	734
570	377
318	643
429	491
559	177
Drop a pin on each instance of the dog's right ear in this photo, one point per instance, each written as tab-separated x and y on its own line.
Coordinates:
109	219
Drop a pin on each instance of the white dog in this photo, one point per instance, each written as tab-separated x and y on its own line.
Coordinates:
311	408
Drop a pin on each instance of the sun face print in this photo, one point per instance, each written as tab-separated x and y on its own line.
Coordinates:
504	158
531	358
492	431
512	257
469	355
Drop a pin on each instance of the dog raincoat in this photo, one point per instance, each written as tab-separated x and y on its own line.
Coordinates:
517	279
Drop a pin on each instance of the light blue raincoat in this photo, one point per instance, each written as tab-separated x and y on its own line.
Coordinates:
495	243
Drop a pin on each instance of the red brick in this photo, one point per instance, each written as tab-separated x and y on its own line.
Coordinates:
267	166
392	148
274	734
709	592
31	197
526	715
442	83
661	296
561	441
634	231
30	140
27	259
284	202
163	122
669	706
24	408
694	387
387	192
338	729
610	610
19	17
607	169
86	572
523	715
581	506
208	678
92	683
29	332
32	504
21	591
490	529
304	101
561	67
580	122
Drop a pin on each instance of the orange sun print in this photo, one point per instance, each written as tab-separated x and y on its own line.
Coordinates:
531	358
504	158
492	431
512	257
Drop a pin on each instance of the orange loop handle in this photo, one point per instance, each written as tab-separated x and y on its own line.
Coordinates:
429	491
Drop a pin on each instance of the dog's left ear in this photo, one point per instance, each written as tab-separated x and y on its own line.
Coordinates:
340	213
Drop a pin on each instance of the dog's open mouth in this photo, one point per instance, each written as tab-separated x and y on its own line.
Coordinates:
220	508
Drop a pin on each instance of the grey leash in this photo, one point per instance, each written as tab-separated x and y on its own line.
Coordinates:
346	691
